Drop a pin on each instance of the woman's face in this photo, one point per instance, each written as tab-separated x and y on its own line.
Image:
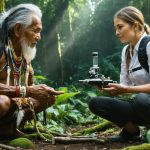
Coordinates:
124	31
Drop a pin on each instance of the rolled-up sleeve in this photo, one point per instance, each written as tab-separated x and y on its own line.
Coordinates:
123	74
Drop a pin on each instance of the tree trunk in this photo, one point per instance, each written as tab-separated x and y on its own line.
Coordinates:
2	5
50	57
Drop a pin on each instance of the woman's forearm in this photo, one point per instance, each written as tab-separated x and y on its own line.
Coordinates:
139	89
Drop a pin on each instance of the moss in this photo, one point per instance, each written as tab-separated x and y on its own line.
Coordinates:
22	143
148	136
48	136
36	136
144	146
32	136
100	127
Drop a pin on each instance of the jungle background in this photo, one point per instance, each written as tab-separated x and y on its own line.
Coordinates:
72	30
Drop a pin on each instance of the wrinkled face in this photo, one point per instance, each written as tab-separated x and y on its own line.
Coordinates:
124	31
30	37
32	34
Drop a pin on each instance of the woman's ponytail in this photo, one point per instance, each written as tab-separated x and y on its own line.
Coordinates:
147	28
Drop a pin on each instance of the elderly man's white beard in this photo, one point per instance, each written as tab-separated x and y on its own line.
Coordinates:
29	53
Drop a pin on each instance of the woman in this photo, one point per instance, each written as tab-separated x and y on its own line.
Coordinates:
131	29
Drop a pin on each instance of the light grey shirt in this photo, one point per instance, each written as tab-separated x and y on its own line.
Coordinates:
138	77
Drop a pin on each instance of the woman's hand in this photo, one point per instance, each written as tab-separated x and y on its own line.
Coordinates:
42	91
115	89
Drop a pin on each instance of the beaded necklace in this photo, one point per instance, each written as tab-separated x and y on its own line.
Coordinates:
17	64
16	68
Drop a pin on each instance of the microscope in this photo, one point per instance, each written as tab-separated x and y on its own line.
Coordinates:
95	78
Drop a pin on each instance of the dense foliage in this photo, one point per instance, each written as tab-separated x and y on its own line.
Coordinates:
72	29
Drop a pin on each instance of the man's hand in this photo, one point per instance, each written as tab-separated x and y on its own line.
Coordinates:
115	89
42	91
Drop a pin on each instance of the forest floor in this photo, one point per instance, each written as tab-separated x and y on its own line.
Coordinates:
88	145
84	146
41	145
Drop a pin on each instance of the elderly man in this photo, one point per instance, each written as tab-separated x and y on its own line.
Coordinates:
20	29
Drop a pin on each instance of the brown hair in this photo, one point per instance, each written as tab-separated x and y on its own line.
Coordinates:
131	14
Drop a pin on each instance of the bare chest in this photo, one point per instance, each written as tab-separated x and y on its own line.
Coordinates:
3	70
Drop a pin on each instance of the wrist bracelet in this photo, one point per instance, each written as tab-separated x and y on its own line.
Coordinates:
22	91
17	91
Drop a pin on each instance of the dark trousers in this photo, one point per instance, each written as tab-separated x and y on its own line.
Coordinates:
121	111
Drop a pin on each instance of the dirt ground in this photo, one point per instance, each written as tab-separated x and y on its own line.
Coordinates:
84	146
88	145
41	145
81	146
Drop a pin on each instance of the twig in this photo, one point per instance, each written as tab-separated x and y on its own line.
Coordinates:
58	134
75	140
7	147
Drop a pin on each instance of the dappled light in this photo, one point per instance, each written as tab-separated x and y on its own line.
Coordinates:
88	85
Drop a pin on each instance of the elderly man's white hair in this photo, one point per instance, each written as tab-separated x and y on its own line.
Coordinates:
21	13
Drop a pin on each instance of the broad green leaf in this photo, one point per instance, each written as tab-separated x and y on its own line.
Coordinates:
40	77
74	88
63	97
92	94
53	122
52	110
65	89
73	115
61	107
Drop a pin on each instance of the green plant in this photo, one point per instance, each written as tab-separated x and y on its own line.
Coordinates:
22	143
70	109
